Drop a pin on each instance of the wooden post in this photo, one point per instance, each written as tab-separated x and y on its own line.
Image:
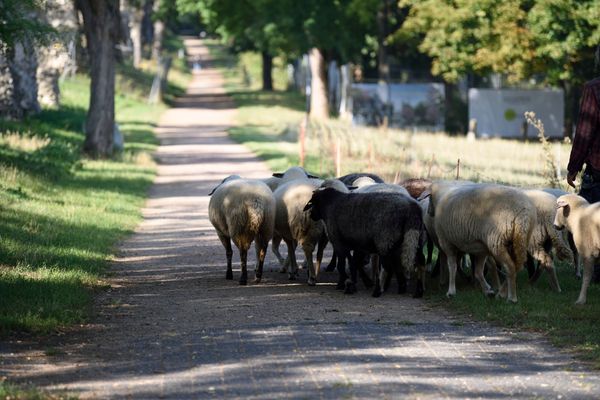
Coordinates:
338	157
302	140
458	169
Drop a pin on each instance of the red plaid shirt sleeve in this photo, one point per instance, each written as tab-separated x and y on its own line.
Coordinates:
586	144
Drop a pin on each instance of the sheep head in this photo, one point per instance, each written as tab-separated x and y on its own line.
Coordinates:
313	204
563	209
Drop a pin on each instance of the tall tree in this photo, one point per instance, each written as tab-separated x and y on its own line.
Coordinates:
21	30
101	26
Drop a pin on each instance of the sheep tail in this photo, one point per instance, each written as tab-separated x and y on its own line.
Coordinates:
522	229
410	246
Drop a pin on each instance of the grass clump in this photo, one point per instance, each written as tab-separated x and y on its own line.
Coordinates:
14	392
62	214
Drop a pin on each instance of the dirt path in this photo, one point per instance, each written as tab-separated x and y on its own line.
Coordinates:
173	327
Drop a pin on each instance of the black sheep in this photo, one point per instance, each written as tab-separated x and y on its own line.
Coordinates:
387	224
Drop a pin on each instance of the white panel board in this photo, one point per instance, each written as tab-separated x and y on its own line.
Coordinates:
499	112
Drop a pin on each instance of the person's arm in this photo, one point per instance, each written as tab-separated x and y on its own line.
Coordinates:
587	122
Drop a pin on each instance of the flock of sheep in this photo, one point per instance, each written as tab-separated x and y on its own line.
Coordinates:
390	225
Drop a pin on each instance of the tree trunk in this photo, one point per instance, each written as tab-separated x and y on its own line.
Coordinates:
135	32
101	25
159	29
267	71
319	108
22	63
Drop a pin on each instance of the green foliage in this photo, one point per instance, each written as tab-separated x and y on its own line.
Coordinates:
18	21
517	38
14	392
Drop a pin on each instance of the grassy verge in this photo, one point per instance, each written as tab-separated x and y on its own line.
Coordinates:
61	214
268	125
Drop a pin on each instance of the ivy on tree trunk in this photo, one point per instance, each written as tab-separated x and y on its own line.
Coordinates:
101	26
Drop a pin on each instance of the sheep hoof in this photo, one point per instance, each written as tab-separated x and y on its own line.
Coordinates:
490	294
229	275
243	282
257	279
376	293
350	288
312	282
580	302
450	295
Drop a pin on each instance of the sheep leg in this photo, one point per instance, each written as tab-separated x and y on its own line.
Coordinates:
312	271
363	274
229	254
492	269
320	249
244	262
357	258
576	260
588	269
532	272
451	260
333	263
275	250
291	245
420	268
261	252
479	265
429	253
377	270
341	267
505	260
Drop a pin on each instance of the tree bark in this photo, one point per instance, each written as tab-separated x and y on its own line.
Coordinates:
267	71
135	32
101	26
319	108
159	29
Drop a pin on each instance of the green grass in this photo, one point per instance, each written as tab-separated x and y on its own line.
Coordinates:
268	125
539	309
61	214
14	392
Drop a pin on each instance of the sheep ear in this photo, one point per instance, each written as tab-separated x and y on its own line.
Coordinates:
212	191
352	187
278	174
561	204
312	176
308	206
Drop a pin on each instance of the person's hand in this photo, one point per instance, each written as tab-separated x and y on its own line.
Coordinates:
571	178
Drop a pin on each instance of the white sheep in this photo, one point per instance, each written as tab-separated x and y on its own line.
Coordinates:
383	188
582	219
483	220
279	178
243	210
545	237
567	235
294	225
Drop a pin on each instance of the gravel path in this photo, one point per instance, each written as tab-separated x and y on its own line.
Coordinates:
172	327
